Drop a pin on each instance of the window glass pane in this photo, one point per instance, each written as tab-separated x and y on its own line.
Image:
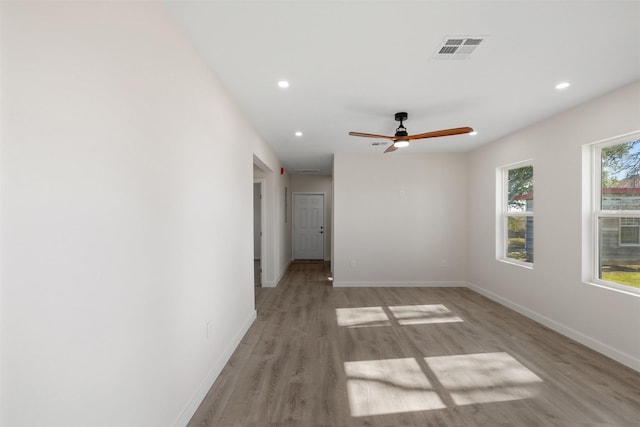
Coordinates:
520	188
520	238
618	263
629	221
620	166
630	231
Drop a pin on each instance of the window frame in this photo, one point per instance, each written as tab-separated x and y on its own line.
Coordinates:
503	216
596	212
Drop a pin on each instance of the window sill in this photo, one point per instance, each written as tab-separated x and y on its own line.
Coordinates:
628	290
527	265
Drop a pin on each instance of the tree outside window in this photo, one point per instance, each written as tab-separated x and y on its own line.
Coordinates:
518	213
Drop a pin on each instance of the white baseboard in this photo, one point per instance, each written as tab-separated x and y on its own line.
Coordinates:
617	355
397	284
273	284
211	377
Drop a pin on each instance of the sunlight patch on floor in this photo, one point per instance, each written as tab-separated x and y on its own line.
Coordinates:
377	387
361	317
390	386
483	378
423	314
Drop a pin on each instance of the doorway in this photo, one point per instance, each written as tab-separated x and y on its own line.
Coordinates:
308	226
257	233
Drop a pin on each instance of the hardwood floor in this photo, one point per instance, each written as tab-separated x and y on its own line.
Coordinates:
319	356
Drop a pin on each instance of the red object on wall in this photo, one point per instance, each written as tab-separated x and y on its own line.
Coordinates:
281	171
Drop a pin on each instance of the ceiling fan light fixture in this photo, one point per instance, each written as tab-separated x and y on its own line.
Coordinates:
401	143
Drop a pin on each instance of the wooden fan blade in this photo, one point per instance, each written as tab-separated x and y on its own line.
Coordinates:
391	149
445	132
371	135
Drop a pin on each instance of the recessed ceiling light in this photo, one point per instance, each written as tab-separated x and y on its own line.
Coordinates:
473	133
283	84
563	85
298	133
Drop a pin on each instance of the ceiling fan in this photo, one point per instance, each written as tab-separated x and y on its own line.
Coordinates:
402	138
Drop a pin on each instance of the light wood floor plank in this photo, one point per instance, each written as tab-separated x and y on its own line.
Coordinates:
491	367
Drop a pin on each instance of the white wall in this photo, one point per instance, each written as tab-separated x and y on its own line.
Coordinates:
277	231
127	217
318	184
553	291
400	219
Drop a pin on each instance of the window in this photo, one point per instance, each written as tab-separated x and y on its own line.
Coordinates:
616	213
516	229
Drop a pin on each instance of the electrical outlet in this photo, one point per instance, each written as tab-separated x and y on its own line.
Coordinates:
209	329
352	263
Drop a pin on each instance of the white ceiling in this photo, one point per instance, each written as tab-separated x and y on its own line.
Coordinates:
353	64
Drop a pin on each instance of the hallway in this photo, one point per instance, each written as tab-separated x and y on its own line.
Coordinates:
319	356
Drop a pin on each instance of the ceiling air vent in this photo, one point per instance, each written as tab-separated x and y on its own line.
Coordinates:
458	47
307	171
379	143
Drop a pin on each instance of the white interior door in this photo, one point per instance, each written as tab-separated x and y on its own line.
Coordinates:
308	226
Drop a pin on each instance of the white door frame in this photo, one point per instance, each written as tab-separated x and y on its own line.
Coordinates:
324	219
263	227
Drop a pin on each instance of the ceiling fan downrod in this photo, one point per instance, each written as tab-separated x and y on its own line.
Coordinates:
401	130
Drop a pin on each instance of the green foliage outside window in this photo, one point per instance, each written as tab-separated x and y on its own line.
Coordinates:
519	244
